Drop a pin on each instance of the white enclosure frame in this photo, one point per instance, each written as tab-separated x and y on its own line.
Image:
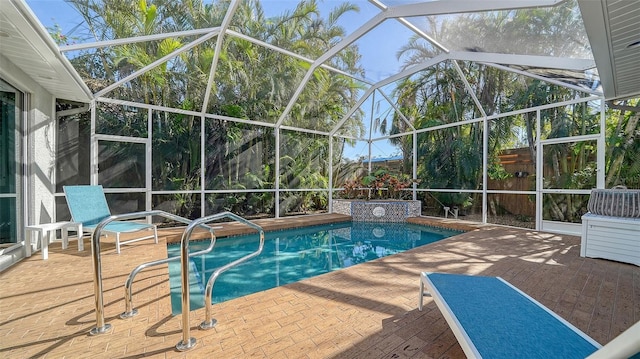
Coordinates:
398	13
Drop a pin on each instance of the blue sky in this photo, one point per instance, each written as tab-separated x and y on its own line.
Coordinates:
378	48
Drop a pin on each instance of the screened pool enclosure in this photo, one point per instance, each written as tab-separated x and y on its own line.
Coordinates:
268	108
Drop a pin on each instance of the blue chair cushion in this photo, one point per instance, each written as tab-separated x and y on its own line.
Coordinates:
87	204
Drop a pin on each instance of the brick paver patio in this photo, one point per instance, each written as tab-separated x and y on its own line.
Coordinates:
366	311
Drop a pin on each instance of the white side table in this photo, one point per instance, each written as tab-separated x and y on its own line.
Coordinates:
50	229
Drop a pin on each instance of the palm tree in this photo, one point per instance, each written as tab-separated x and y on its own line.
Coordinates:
251	83
623	144
450	158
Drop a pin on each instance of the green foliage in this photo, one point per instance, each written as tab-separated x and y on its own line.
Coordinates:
256	84
623	144
380	184
59	37
497	172
451	157
251	83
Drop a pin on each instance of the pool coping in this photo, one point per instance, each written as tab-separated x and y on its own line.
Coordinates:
174	235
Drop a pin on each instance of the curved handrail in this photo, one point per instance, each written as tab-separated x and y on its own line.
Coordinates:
102	327
209	322
128	285
187	341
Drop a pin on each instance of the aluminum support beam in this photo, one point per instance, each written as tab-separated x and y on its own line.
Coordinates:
216	54
133	40
158	62
443	7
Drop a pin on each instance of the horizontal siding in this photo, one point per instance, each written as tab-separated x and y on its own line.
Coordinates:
616	239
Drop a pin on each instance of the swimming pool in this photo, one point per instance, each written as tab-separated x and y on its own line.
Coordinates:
292	255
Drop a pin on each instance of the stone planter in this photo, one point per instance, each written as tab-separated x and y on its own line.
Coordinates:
378	210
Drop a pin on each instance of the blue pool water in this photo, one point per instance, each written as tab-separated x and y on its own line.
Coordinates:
292	255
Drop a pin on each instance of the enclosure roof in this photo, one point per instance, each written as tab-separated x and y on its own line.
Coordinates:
612	27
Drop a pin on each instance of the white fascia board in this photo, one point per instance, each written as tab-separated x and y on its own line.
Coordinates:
41	42
537	61
597	28
443	7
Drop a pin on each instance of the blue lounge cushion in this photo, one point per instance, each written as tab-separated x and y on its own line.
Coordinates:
502	322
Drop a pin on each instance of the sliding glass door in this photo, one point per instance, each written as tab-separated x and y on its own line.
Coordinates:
10	193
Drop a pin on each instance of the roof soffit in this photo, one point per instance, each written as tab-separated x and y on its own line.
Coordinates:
612	27
28	46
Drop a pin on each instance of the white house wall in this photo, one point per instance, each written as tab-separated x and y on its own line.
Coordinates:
38	196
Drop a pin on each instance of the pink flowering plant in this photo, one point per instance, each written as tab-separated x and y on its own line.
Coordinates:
380	184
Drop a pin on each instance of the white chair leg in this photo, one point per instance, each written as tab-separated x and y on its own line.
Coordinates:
421	297
118	243
155	233
45	243
80	238
65	237
27	242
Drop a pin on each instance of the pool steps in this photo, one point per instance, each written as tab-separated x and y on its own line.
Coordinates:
128	285
187	341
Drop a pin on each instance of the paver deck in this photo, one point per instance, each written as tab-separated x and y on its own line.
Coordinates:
366	311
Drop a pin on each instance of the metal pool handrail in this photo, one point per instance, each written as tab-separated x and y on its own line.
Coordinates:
209	322
128	285
102	327
187	341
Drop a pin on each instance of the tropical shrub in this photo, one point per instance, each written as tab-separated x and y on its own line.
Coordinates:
380	184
